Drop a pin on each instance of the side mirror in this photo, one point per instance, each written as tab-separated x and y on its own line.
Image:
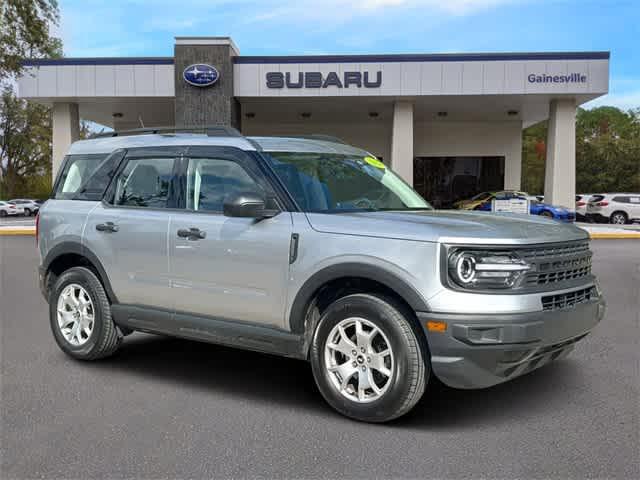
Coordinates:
246	205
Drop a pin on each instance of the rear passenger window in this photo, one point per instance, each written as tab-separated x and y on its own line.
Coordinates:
77	169
210	180
621	199
145	182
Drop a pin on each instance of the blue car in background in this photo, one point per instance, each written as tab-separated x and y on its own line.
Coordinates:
535	207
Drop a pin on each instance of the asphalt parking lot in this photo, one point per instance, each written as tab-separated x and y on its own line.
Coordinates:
165	408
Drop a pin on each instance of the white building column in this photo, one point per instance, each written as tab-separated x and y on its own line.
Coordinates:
513	163
402	140
66	130
560	167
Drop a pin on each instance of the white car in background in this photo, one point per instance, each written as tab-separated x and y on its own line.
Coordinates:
582	199
616	208
30	207
7	209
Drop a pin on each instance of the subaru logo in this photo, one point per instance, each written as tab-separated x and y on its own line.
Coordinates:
200	75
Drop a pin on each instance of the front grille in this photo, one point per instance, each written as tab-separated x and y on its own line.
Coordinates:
568	300
550	272
556	250
557	263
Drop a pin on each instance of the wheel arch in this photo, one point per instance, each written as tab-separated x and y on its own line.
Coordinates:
348	278
73	254
626	216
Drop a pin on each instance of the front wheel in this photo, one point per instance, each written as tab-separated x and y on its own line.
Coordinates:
367	359
27	212
546	214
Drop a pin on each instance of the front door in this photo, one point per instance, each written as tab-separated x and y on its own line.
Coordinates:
223	267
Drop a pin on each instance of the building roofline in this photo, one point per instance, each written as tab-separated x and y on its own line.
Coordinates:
40	62
208	41
428	57
368	58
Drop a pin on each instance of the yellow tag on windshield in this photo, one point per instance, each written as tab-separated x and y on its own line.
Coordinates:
374	162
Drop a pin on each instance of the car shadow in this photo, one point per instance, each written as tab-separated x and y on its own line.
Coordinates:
539	392
218	369
272	379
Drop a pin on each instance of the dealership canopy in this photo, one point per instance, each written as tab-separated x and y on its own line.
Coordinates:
450	124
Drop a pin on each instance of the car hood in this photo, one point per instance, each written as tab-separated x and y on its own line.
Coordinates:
449	226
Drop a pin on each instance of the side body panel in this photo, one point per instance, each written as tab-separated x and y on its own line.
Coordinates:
238	271
62	221
135	256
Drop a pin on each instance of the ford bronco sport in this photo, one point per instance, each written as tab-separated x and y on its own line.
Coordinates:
307	248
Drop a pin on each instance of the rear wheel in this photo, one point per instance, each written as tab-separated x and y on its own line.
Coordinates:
367	360
546	214
3	213
80	316
618	218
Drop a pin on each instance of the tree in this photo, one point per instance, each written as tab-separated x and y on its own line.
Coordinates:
25	147
25	33
607	152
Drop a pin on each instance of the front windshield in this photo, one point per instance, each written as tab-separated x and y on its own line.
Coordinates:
328	182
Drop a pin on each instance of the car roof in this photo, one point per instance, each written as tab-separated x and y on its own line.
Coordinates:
107	145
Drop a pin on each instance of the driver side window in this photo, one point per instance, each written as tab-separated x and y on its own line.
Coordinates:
145	182
211	180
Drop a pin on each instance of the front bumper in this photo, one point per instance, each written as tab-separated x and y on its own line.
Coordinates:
478	351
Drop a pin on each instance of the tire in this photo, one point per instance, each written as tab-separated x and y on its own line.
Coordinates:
3	213
408	363
104	338
27	212
546	214
618	218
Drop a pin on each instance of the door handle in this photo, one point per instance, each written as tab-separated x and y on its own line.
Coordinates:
192	233
109	227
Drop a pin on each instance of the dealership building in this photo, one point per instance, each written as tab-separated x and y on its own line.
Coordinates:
450	124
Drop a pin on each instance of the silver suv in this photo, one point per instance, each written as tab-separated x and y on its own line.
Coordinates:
311	249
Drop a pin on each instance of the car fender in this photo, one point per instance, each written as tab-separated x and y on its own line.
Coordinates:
77	248
351	269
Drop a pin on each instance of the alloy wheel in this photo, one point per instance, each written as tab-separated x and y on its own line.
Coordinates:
359	360
76	314
618	219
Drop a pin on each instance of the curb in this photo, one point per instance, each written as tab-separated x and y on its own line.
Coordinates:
614	236
17	231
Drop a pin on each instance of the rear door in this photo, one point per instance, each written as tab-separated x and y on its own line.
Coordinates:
234	268
128	230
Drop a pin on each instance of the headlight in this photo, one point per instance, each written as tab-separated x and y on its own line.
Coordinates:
485	269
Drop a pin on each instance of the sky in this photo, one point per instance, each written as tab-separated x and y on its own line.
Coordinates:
91	28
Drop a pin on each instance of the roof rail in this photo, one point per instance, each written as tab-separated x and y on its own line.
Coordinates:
210	130
324	138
